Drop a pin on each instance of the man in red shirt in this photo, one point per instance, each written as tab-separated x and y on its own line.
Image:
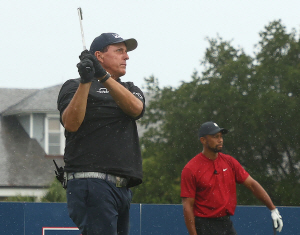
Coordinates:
208	187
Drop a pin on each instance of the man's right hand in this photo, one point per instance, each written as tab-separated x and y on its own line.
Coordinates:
277	219
99	70
86	70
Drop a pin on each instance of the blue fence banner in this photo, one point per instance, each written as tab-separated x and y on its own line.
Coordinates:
145	219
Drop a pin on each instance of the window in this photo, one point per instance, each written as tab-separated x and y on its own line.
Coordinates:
55	140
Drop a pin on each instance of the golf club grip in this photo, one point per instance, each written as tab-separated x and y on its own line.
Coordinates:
80	13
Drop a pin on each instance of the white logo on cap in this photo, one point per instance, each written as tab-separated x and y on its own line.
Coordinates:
116	35
216	124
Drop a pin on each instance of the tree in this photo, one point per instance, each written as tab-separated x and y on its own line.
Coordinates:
255	98
55	193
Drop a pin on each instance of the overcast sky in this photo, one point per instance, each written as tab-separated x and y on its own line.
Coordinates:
41	40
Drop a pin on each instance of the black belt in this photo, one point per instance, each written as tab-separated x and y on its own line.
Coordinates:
226	217
119	181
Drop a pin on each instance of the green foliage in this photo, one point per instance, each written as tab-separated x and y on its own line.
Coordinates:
257	99
55	193
20	198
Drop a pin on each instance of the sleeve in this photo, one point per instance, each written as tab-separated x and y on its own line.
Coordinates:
66	94
140	95
188	183
240	173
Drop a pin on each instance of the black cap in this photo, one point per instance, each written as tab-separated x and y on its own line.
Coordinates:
106	39
211	128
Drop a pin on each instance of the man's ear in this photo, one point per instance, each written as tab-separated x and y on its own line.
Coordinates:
99	56
203	140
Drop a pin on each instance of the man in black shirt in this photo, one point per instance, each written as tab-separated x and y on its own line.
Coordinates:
102	155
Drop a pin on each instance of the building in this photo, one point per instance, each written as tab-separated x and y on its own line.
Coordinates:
31	136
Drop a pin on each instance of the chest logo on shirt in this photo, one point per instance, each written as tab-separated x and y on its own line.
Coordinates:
103	91
225	169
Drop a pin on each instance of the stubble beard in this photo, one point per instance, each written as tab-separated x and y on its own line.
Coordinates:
215	149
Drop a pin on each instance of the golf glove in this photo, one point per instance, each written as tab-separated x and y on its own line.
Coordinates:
277	220
86	70
99	70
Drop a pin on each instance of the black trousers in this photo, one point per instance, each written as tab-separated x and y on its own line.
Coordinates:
214	226
98	207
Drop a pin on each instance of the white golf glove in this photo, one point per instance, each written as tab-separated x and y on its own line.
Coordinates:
277	220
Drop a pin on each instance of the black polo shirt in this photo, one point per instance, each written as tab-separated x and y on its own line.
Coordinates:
107	140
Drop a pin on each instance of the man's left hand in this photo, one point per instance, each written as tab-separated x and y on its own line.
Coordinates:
277	220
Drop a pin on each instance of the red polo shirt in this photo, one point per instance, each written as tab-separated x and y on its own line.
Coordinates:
213	184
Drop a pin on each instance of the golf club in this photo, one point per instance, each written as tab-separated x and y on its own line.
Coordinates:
82	34
80	21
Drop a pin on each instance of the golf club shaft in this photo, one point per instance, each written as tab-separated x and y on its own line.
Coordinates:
82	34
80	21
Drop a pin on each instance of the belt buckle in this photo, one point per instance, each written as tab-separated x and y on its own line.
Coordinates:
118	182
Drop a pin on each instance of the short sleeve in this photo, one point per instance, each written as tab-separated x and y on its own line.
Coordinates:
140	95
240	173
66	94
188	183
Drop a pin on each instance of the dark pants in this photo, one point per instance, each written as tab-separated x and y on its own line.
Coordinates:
98	207
214	226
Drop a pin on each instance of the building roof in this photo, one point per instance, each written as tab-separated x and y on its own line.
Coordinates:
11	96
36	101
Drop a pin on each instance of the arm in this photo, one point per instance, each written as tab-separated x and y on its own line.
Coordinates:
263	196
73	115
259	192
130	105
188	212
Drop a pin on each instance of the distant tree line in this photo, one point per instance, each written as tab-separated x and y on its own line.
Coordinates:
255	98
